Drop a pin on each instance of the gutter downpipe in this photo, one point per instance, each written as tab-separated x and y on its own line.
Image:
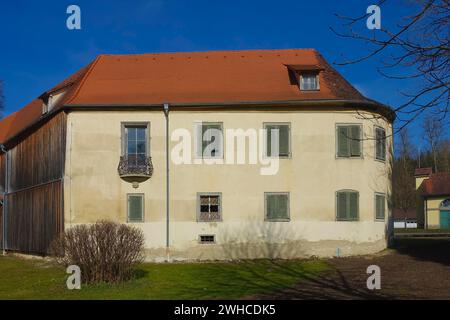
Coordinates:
4	208
166	114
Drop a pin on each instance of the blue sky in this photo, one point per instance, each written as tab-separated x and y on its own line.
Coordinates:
37	50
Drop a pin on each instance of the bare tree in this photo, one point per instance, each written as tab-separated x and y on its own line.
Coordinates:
404	191
444	155
417	48
433	132
405	148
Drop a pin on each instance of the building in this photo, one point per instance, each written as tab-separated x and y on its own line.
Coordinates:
434	198
146	140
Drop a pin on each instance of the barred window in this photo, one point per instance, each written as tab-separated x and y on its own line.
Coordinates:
209	207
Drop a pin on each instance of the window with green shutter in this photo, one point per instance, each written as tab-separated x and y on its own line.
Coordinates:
283	130
347	202
380	144
277	206
209	140
349	141
380	206
135	207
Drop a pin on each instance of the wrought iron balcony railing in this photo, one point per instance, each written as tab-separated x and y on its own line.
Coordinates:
135	166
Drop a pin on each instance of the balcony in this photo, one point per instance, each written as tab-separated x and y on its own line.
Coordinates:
135	168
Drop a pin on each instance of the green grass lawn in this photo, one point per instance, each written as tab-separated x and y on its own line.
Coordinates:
413	230
40	279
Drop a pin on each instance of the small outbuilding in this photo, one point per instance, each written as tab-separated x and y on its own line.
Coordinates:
434	198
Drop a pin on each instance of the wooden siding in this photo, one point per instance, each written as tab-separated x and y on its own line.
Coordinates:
34	218
34	197
39	158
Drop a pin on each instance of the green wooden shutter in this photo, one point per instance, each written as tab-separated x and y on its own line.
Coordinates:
277	207
343	141
341	205
380	206
269	151
199	139
284	140
355	141
135	208
353	206
380	144
383	145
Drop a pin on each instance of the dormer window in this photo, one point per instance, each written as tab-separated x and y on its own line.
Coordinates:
309	82
306	77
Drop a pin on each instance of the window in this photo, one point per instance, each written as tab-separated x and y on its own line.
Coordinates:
277	206
284	143
347	202
135	148
209	140
207	238
209	207
309	82
349	141
380	206
380	144
136	207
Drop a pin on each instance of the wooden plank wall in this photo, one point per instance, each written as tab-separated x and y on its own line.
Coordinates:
34	218
34	202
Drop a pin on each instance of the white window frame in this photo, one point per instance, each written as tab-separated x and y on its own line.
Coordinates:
124	137
309	74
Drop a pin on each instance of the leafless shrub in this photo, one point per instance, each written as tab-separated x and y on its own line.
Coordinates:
105	251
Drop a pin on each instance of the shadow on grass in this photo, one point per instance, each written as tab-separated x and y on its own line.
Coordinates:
425	249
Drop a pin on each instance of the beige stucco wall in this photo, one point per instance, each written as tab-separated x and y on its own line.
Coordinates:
93	189
433	213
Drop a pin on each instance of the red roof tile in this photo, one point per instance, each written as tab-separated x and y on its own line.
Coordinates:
191	78
437	185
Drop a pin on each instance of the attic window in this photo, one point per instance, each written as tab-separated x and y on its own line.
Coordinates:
309	81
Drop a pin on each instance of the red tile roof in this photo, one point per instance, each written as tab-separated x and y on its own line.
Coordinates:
438	184
217	77
423	172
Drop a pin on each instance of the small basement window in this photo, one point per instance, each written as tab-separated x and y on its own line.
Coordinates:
207	238
309	82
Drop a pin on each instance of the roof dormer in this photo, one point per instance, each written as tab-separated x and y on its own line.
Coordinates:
306	76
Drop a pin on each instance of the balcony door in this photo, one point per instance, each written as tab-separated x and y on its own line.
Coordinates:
136	146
